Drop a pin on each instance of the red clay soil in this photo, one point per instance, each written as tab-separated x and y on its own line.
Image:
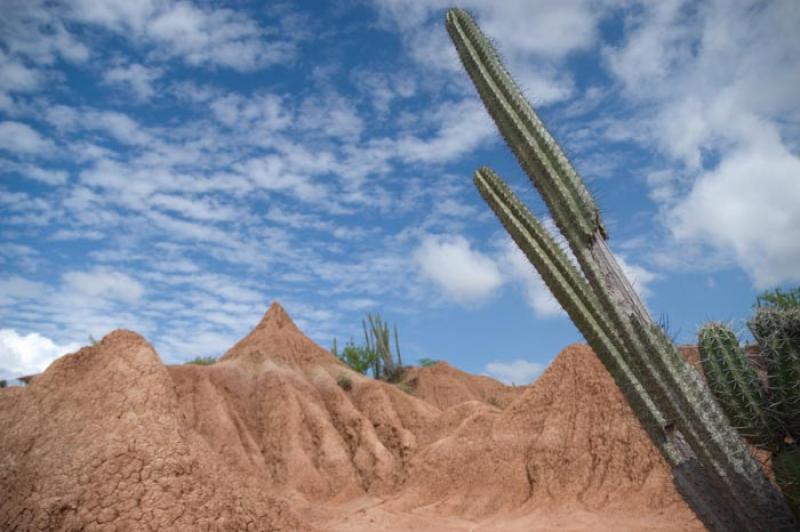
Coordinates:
444	386
108	438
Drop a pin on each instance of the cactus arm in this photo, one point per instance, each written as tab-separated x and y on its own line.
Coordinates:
734	382
520	125
397	346
567	286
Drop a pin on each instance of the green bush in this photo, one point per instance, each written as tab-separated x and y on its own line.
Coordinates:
357	357
202	361
427	362
344	382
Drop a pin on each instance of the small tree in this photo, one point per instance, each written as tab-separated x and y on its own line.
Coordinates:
357	357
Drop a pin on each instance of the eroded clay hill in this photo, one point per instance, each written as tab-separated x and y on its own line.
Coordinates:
99	442
265	439
443	386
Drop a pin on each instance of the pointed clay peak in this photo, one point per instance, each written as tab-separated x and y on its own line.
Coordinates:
276	337
276	316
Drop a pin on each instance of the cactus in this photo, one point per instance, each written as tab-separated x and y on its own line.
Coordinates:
711	465
378	347
766	411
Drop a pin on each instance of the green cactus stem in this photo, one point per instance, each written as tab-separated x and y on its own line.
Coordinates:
710	463
767	416
778	333
736	385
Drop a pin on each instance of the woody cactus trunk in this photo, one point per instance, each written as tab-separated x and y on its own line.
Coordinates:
711	466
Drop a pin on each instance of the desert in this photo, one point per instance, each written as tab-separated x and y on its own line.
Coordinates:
109	438
581	215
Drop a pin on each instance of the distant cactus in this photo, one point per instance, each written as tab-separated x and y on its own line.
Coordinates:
765	411
377	341
376	353
711	466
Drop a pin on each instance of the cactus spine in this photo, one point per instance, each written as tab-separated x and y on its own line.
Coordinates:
765	411
710	463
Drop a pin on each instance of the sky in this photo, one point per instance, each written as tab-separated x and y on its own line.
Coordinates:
174	167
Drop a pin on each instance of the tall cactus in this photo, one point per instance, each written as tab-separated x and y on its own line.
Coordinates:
711	466
766	411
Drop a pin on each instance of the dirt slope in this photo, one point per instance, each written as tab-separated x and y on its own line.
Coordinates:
266	439
568	441
444	386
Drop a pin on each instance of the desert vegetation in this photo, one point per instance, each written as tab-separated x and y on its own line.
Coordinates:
375	355
202	361
760	392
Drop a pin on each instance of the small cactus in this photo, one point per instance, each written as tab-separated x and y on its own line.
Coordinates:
734	382
766	412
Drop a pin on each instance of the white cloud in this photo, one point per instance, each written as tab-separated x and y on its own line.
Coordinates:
199	35
515	372
519	269
749	205
461	127
273	173
114	124
17	76
19	287
28	354
716	84
533	36
462	273
138	79
542	27
16	137
44	175
194	207
105	284
119	126
267	112
37	32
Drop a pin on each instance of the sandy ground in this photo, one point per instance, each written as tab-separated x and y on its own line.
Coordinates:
373	513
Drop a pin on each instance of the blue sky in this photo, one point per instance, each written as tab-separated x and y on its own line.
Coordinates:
173	167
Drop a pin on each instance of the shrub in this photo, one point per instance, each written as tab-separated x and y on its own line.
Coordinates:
427	362
344	382
202	361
